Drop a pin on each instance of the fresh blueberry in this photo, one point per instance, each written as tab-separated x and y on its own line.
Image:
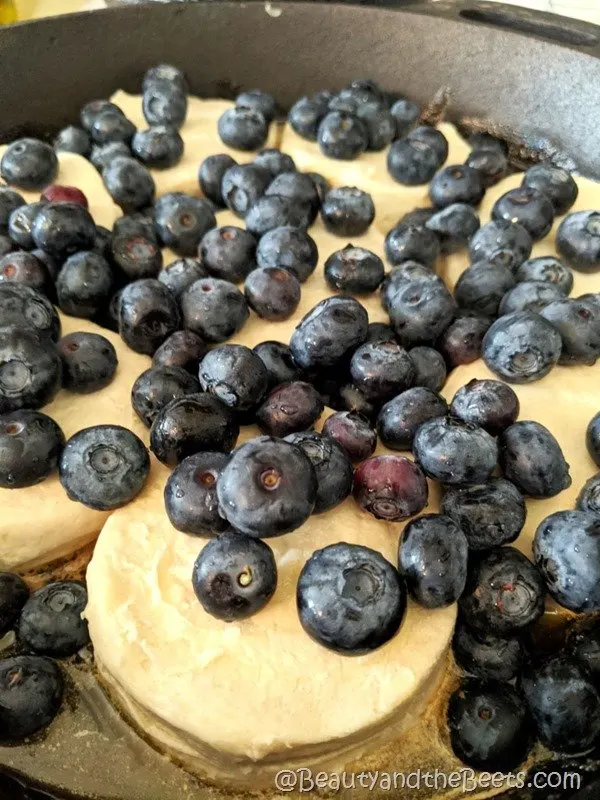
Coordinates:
488	403
84	284
267	488
94	109
30	369
390	487
420	311
486	656
350	598
289	408
490	162
51	623
353	432
234	374
332	466
272	292
182	349
129	183
259	101
347	211
24	268
322	184
156	387
243	128
557	184
148	314
584	646
456	184
379	123
164	73
275	161
430	368
104	467
589	496
501	242
564	703
59	193
10	201
402	275
521	347
454	226
461	342
181	221
355	270
592	439
234	576
527	207
31	691
73	140
279	363
298	187
289	248
30	446
548	269
210	176
89	362
364	92
137	255
29	164
486	141
228	252
242	185
578	323
490	727
214	309
191	494
138	223
532	459
111	126
382	370
179	275
275	211
578	241
378	332
530	296
342	136
160	147
62	229
6	245
408	242
164	103
13	596
482	286
305	116
406	114
103	155
412	161
350	398
332	329
23	307
432	137
52	264
400	418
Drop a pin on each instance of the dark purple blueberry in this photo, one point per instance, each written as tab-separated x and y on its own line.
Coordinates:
228	252
486	656
381	370
275	211
355	270
138	256
432	137
234	576
6	245
182	349
23	307
583	645
242	185
158	386
592	439
191	494
102	242
486	141
73	140
30	369
589	496
454	226
461	342
58	193
411	242
454	453
243	128
259	101
104	467
456	184
529	296
62	229
165	103
138	223
399	277
53	265
10	202
578	323
103	155
342	135
51	621
89	362
482	286
350	598
279	363
111	126
129	183
412	161
192	424
181	221
564	703
29	164
328	332
548	269
578	241
347	211
406	114
30	446
400	418
430	368
332	466
299	188
24	268
13	596
521	347
532	459
290	248
210	176
322	184
390	487
164	73
234	374
181	274
488	403
490	514
350	398
94	109
353	432
380	125
490	162
214	309
160	147
527	207
274	161
148	314
272	292
31	691
501	242
305	115
289	408
378	332
420	311
364	92
557	184
490	727
267	488
20	224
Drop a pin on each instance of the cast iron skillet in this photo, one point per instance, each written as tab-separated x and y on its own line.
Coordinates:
532	76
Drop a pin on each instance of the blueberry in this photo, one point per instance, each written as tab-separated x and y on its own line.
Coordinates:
332	466
364	92
179	275
84	284
420	311
30	369
430	368
454	226
400	418
333	328
210	176
350	598
413	162
50	622
564	703
521	347
504	592
402	275
13	596
214	309
31	691
456	184
490	728
593	438
59	193
21	306
454	453
156	387
181	221
62	229
353	432
405	113
272	292
322	184
6	245
486	656
181	349
532	459
527	207
10	201
137	223
548	269
160	147
589	496
355	270
382	370
408	242
530	296
243	128
461	342
234	576
342	136
275	161
488	403
148	314
578	323
433	137
191	424
378	332
73	140
24	268
20	224
298	187
486	141
52	264
129	183
30	446
279	363
29	164
490	162
164	73
103	155
305	116
234	374
111	126
349	398
89	362
390	487
583	645
379	123
138	256
260	101
94	109
242	185
289	248
164	103
557	184
578	241
104	467
482	286
501	242
228	252
267	488
288	408
191	494
347	211
274	211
